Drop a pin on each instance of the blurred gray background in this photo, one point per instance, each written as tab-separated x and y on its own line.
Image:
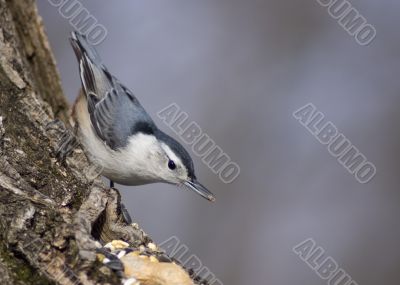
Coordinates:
239	69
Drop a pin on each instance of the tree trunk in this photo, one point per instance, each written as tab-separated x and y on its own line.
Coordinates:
52	215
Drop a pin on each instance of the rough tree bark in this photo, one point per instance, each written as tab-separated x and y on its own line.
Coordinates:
52	215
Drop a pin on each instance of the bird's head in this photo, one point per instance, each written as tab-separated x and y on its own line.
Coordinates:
176	166
156	157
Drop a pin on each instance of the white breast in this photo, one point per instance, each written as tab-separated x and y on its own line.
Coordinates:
132	165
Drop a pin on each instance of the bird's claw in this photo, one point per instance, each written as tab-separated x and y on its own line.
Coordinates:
125	214
68	141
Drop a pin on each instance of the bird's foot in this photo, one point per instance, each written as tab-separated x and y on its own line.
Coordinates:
125	214
56	125
67	145
67	140
124	211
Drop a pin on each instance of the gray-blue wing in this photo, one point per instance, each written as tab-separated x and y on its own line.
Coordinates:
117	116
114	111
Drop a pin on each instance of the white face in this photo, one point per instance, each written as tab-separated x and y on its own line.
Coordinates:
174	170
154	160
147	160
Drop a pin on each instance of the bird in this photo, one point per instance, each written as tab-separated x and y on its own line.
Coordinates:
119	135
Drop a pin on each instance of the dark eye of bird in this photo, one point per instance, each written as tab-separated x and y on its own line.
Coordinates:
171	165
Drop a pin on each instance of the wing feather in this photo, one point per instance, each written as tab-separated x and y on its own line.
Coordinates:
115	113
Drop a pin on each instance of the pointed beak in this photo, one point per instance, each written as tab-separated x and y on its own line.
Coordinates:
200	189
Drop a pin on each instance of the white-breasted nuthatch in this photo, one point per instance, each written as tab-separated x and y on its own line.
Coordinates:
118	134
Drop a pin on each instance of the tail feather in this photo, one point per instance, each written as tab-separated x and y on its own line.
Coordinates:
94	75
81	45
